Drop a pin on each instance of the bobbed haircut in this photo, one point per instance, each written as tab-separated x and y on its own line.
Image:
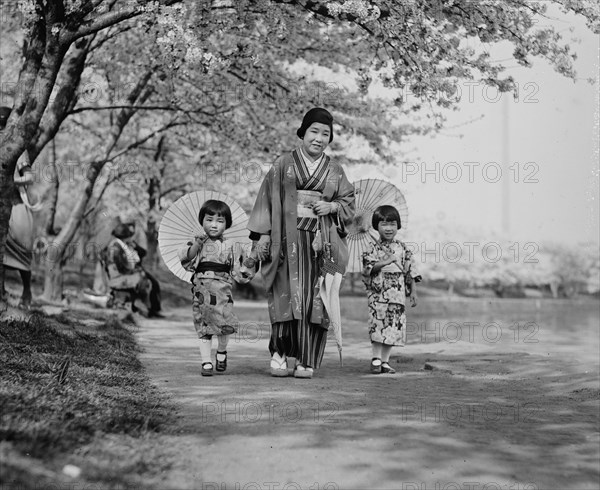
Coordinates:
386	213
213	207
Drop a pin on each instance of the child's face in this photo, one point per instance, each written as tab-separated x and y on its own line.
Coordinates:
214	225
387	229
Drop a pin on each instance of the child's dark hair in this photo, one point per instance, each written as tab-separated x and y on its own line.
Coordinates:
386	213
212	207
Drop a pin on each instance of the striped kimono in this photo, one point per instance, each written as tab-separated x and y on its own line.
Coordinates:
299	323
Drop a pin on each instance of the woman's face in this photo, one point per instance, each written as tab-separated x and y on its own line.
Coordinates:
387	230
214	225
316	139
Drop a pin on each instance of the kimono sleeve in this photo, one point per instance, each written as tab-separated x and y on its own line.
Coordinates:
369	259
410	268
345	199
116	255
244	266
188	264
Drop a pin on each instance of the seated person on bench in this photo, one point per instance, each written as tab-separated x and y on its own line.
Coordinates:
123	266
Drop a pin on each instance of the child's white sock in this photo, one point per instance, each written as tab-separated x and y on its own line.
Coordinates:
386	351
376	349
222	346
205	348
223	341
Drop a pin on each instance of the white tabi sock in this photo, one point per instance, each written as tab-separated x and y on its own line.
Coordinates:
205	348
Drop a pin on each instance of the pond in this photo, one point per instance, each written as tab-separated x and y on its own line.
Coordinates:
565	329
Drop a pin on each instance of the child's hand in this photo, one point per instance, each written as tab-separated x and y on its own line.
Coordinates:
389	259
200	239
262	247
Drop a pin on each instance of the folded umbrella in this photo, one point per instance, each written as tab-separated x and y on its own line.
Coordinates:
329	290
329	283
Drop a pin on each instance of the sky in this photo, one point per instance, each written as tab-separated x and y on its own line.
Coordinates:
548	136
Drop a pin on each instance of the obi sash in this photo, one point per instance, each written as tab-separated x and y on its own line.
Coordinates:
212	266
212	270
307	219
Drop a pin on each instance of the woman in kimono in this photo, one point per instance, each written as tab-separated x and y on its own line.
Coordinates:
18	253
303	197
123	264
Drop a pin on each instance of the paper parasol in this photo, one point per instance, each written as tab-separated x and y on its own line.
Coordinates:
369	195
179	225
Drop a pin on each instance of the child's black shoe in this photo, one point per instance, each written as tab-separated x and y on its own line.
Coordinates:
376	365
221	365
207	369
386	368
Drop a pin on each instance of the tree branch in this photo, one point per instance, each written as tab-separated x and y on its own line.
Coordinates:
108	19
172	189
66	97
141	108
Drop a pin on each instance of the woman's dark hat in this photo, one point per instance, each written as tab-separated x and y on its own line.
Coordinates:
123	231
316	115
4	114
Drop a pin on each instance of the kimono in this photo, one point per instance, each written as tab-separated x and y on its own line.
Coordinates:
214	269
386	291
299	322
19	242
123	266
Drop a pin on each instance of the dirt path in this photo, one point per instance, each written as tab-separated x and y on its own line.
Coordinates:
457	415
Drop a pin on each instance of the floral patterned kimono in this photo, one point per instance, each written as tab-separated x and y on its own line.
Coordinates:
214	269
386	291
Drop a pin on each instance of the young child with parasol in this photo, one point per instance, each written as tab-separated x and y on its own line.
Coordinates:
388	273
212	261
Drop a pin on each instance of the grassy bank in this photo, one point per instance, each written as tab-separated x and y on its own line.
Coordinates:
66	381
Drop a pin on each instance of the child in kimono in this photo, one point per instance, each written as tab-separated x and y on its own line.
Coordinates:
387	270
212	260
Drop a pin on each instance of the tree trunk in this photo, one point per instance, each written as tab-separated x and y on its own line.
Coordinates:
66	97
153	208
152	236
53	193
43	57
5	209
60	246
53	279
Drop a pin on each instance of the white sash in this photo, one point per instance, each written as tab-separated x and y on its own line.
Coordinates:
305	202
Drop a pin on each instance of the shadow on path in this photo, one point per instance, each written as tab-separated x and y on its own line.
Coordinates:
460	415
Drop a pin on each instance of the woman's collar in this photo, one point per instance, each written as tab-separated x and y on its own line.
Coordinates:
307	159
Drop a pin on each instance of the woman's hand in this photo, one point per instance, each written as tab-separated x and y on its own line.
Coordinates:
26	179
413	298
322	208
